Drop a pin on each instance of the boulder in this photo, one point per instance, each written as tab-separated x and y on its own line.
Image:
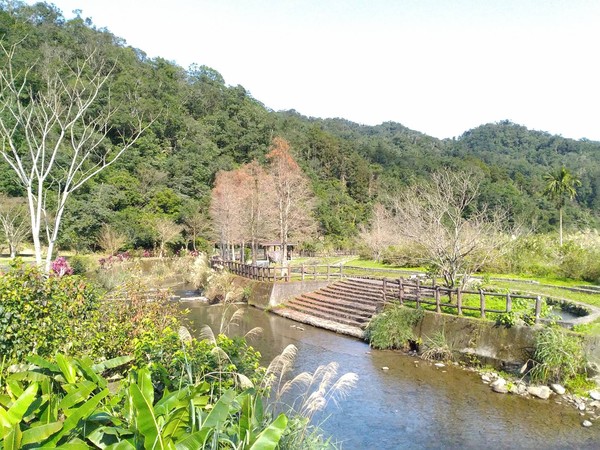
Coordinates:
595	395
542	392
586	423
560	390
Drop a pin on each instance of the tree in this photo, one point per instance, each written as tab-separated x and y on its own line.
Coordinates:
166	231
560	186
225	204
13	220
111	240
55	133
293	196
380	234
455	235
258	212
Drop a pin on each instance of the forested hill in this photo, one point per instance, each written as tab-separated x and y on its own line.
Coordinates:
203	125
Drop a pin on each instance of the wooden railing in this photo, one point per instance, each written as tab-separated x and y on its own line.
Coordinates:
414	290
452	299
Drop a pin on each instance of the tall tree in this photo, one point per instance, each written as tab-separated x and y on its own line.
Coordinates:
560	186
380	234
294	198
54	133
13	222
456	235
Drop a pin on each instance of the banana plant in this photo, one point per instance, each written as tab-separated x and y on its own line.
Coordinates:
68	404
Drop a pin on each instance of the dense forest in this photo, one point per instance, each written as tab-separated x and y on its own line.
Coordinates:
202	125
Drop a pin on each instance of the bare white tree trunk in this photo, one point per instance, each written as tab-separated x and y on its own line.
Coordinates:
55	123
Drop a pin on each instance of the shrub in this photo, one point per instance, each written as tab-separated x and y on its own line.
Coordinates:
558	356
41	314
393	328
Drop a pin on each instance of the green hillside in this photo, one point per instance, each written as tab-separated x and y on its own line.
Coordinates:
202	125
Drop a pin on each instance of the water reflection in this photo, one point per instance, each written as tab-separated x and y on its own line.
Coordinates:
414	404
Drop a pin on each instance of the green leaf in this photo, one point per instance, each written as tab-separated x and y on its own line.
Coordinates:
270	436
20	406
79	413
75	444
40	433
111	363
146	420
12	440
144	382
41	362
83	391
67	368
123	445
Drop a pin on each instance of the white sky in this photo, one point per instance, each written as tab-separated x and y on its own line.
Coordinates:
437	66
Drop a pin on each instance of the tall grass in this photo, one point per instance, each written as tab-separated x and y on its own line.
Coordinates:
558	356
393	328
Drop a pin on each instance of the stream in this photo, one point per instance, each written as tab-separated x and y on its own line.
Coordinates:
414	404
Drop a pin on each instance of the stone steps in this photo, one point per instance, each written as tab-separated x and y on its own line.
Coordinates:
348	302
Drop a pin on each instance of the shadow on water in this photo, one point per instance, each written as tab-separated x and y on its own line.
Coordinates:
413	404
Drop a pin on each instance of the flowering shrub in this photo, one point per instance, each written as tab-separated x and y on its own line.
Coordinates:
60	267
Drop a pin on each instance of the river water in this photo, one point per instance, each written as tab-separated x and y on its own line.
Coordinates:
413	405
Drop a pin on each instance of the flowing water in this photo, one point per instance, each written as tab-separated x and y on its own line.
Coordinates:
413	405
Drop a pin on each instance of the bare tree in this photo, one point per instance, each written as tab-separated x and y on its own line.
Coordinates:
54	135
13	219
380	234
455	234
111	240
225	205
166	231
195	225
258	213
294	198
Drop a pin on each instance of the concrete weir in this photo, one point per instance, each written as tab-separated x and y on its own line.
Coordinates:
346	307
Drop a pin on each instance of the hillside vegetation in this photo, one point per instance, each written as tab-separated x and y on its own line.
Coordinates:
202	125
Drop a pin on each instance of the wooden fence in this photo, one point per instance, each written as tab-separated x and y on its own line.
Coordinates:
413	290
451	299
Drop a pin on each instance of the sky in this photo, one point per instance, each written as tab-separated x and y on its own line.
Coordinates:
441	67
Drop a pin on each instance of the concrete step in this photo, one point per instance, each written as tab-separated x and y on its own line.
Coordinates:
354	291
359	299
336	306
324	315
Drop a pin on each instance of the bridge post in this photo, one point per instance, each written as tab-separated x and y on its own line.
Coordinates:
302	269
328	269
508	303
538	308
400	291
384	296
482	303
418	293
438	308
459	301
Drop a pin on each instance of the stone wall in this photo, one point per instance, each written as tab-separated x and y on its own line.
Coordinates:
265	294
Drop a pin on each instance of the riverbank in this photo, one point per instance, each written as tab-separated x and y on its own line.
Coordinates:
414	404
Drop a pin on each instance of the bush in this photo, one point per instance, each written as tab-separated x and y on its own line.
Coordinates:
558	356
41	314
393	328
176	360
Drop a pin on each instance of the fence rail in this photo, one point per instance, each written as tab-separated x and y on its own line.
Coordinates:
413	290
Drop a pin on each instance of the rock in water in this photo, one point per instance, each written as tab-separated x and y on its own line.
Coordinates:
586	423
439	365
560	390
385	368
500	389
499	383
595	395
542	392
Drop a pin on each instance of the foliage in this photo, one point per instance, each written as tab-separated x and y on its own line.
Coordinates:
558	356
41	314
68	402
393	328
175	361
437	348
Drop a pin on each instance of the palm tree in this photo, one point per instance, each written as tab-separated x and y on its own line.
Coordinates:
560	186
